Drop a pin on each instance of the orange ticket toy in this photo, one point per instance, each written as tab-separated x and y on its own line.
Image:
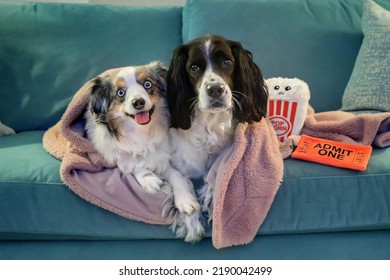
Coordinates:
333	153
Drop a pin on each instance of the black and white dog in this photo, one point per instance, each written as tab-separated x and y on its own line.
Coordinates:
213	84
128	122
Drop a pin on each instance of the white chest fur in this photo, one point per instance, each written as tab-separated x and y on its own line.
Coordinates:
195	149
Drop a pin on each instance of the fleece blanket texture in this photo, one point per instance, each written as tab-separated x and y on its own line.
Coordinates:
246	176
365	129
372	129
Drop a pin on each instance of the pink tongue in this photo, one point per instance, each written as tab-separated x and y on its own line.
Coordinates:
142	118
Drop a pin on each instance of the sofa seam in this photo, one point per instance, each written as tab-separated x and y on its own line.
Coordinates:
31	182
338	177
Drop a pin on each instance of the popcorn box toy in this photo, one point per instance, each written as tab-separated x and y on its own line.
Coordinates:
287	105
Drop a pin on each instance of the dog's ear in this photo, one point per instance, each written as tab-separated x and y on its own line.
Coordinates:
159	68
100	102
100	97
249	81
180	91
161	73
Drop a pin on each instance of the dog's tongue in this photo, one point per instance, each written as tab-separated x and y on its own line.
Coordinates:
142	117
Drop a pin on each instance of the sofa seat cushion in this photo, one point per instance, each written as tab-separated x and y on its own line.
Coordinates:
320	198
34	204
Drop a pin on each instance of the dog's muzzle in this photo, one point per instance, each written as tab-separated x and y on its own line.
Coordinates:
141	117
215	90
138	103
217	94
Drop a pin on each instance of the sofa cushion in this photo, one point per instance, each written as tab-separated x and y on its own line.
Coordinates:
314	40
320	198
368	87
34	204
48	51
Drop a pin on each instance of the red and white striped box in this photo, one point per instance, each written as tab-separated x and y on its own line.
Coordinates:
287	116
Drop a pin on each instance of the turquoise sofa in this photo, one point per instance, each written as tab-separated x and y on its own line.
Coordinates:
48	51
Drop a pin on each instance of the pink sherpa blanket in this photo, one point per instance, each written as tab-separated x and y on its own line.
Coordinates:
365	129
246	176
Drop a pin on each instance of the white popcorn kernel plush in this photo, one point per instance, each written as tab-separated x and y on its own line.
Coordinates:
287	105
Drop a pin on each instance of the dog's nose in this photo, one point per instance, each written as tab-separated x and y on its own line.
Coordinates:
138	103
215	90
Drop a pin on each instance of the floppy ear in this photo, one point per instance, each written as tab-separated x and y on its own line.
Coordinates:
248	79
100	98
100	102
180	91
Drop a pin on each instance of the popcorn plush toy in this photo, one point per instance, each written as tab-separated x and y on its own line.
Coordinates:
287	105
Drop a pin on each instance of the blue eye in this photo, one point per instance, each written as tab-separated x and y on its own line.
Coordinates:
121	92
147	84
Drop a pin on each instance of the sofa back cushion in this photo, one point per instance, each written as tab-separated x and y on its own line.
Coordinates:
314	40
48	51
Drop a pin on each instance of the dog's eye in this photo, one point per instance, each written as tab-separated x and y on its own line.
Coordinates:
194	68
276	87
120	92
288	88
147	84
227	62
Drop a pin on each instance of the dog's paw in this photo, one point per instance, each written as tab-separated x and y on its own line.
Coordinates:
187	204
206	197
189	227
149	181
5	130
